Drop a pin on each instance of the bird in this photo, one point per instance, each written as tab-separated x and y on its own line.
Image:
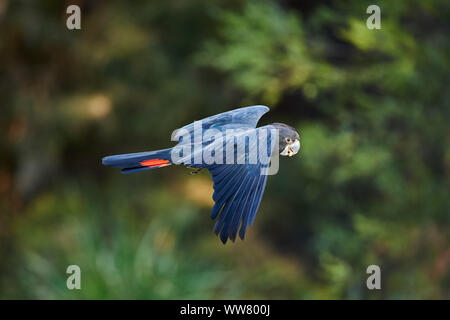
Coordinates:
236	152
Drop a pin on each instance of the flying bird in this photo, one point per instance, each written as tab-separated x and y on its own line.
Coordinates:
237	154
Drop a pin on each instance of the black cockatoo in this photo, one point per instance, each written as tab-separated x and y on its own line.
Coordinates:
238	155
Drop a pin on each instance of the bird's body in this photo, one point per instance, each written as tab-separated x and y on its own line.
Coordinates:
236	153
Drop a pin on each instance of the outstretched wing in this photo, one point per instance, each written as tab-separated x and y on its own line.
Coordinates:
238	190
242	118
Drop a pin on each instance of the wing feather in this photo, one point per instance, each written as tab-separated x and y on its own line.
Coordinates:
249	207
238	190
228	214
246	117
240	213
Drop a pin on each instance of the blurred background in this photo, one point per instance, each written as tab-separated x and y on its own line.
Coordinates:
369	186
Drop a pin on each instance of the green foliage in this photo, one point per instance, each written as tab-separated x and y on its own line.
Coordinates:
369	186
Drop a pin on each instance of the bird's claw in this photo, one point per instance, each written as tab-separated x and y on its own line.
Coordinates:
196	171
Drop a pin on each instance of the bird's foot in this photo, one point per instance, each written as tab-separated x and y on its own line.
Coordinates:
196	170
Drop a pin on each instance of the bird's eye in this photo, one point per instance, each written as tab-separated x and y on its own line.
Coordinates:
288	140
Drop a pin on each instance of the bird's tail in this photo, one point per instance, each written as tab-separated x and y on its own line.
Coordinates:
134	162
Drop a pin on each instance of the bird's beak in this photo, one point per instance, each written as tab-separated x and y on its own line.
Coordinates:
293	148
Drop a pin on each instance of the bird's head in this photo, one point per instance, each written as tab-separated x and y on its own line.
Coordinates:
289	139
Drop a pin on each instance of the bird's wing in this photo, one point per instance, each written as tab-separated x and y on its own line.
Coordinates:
238	189
242	118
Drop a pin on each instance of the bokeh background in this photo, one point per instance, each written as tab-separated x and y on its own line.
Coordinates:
369	186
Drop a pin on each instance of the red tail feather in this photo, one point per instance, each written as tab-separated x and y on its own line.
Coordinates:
154	163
